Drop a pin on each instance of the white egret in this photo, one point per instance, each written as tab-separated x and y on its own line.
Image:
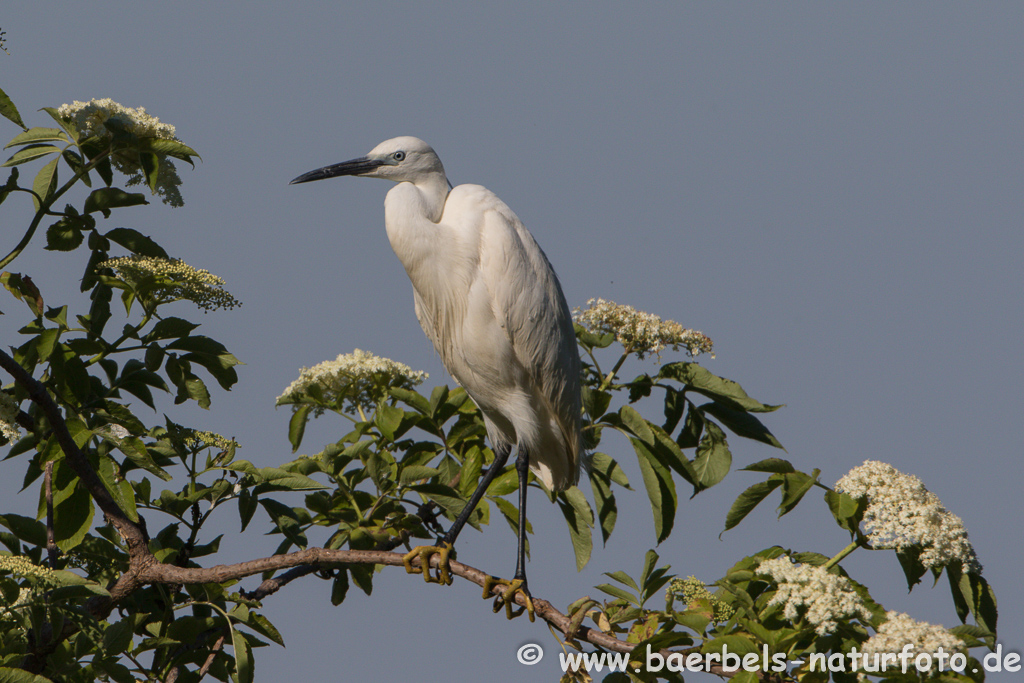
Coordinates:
488	299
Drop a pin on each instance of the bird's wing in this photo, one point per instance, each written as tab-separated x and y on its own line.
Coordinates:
527	299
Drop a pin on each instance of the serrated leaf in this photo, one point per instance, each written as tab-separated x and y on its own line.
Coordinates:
133	240
661	489
297	426
748	500
713	386
8	675
30	153
771	465
415	473
37	134
741	423
72	519
713	458
636	424
623	578
617	592
9	111
580	519
45	182
794	486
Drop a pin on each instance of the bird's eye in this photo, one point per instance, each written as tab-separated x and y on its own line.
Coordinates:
398	156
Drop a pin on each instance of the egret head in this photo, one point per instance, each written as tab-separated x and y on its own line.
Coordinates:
399	159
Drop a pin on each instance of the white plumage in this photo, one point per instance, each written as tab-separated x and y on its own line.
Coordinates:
488	299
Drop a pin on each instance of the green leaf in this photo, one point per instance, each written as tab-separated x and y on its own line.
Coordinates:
297	425
8	675
243	657
137	453
64	235
713	458
388	418
339	589
9	111
37	134
247	503
636	424
72	519
45	182
973	595
150	164
411	398
580	519
25	528
511	514
118	637
210	354
607	466
595	402
262	625
661	489
504	484
604	501
617	592
714	387
592	339
623	578
748	500
171	148
415	473
133	240
847	511
741	423
287	521
772	465
106	198
794	486
445	496
30	153
170	328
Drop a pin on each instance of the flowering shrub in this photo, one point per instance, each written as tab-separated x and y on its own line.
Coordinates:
136	593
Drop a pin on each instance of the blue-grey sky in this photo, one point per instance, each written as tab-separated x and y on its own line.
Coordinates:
832	192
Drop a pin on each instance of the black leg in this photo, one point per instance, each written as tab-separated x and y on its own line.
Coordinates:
523	468
500	458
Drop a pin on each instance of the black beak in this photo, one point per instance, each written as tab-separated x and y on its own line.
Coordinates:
354	167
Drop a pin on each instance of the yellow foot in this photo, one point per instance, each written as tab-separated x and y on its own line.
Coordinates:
424	552
508	598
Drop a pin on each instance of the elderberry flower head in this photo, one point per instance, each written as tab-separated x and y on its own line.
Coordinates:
8	417
901	513
692	591
639	332
353	381
900	630
99	117
823	598
174	280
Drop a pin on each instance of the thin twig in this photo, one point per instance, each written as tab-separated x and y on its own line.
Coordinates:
51	542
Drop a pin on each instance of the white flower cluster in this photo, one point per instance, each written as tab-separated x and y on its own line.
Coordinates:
8	417
90	119
899	630
640	333
902	513
359	379
175	280
826	597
